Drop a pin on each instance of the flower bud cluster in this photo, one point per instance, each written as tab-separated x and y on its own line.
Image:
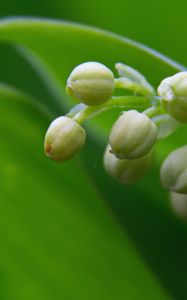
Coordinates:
173	174
134	134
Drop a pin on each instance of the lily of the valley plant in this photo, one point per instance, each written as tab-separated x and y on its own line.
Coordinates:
133	137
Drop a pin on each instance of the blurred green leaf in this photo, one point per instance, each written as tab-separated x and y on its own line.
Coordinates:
56	47
59	240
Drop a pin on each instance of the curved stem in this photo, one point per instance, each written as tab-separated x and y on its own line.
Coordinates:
126	102
136	87
154	111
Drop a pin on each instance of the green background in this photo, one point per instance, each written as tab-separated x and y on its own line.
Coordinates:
34	232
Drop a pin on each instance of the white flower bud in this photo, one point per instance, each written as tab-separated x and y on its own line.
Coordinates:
133	135
179	204
64	139
126	171
173	172
91	82
173	91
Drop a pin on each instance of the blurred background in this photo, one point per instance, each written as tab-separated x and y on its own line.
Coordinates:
160	24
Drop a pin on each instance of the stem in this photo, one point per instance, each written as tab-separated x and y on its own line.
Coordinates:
160	119
126	102
136	87
154	111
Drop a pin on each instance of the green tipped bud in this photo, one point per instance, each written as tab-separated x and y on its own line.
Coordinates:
173	91
91	82
126	170
173	172
179	204
133	135
64	139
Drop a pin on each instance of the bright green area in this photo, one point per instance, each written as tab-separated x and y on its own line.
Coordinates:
68	231
58	240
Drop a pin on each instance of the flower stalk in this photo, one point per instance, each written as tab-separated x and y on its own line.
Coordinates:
146	117
139	103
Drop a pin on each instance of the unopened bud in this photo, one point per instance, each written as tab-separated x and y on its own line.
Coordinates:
173	91
127	171
91	82
133	135
179	204
174	171
64	139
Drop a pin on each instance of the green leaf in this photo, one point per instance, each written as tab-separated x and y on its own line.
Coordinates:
56	47
60	240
